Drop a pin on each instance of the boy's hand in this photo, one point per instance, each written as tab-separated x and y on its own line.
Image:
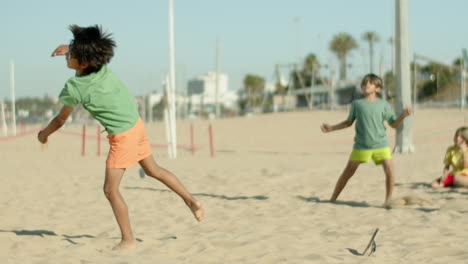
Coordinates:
442	178
463	146
60	50
326	128
41	137
407	111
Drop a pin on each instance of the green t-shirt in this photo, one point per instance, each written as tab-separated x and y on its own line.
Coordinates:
105	97
370	128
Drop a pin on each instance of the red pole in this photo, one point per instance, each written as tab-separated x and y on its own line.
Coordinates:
192	145
83	146
210	129
99	141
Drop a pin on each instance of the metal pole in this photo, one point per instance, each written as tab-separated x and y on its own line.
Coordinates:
4	124
382	74
404	136
371	55
172	87
167	117
13	99
312	83
143	108
217	81
297	20
331	91
149	109
415	81
462	86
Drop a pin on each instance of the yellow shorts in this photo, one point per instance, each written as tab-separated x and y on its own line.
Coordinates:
377	155
129	147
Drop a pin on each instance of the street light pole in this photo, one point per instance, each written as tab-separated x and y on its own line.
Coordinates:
462	86
217	110
404	137
171	82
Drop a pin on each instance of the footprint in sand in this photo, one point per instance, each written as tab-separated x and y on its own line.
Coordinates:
410	200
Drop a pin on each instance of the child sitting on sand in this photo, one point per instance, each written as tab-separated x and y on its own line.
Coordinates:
99	90
456	158
371	140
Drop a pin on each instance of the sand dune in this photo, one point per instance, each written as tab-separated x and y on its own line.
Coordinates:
265	193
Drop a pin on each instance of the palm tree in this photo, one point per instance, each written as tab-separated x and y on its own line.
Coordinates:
311	64
253	88
371	38
341	45
311	68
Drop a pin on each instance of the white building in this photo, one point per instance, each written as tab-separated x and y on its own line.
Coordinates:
148	103
202	92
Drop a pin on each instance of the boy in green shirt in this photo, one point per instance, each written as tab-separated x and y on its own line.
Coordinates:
371	140
100	92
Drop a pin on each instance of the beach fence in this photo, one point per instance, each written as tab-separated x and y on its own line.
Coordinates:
91	135
8	135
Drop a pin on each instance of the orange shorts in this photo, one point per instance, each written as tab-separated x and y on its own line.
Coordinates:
129	147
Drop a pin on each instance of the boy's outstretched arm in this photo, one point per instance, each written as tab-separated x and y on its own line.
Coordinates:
55	124
406	112
328	128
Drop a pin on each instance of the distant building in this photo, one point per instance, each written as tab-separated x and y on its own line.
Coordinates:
342	93
146	105
202	93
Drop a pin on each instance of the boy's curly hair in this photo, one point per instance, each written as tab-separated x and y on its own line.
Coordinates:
91	45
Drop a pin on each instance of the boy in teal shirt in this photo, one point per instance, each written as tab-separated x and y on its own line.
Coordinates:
371	140
100	92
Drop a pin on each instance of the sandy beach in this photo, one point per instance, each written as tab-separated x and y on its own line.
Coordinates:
265	194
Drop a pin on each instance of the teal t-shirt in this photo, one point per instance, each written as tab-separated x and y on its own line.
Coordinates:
105	97
370	128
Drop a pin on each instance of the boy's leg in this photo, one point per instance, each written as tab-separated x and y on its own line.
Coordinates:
111	190
460	180
347	173
389	179
170	180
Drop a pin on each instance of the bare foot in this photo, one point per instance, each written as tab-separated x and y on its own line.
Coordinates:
197	210
124	245
388	204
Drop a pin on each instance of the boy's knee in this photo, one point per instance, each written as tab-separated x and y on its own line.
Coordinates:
109	192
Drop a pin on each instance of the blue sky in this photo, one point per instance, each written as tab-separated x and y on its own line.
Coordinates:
254	35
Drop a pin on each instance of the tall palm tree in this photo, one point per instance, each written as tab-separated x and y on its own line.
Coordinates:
311	64
371	38
341	45
311	68
253	88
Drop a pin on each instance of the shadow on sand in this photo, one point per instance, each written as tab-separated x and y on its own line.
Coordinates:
224	197
414	185
40	233
348	203
365	205
43	233
432	190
